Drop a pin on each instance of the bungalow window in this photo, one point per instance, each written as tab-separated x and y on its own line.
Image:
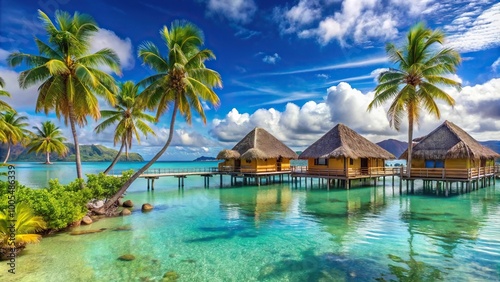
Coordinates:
248	161
434	164
351	161
320	161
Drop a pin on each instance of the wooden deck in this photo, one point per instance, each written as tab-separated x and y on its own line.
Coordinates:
351	173
451	174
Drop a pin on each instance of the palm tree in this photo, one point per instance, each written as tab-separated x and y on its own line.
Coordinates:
181	83
130	118
15	130
3	105
48	139
414	86
26	224
68	72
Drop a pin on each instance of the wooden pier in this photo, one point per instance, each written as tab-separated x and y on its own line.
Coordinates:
247	177
342	178
439	181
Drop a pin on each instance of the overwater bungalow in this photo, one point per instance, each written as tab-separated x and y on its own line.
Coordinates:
258	152
344	154
449	153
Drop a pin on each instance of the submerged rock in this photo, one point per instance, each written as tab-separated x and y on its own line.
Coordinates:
86	220
128	204
170	276
123	228
126	257
83	232
125	212
146	207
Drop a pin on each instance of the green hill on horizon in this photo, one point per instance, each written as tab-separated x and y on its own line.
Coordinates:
89	153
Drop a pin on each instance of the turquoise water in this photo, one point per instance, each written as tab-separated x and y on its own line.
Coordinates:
274	233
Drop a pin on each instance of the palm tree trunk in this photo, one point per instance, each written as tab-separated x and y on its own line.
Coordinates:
116	159
75	140
8	152
125	186
410	142
47	158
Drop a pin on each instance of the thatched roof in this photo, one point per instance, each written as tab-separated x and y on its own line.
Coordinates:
268	147
253	154
342	142
228	154
449	141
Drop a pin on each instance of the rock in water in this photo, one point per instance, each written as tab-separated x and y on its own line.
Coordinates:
170	276
87	220
125	212
128	204
83	232
127	257
146	207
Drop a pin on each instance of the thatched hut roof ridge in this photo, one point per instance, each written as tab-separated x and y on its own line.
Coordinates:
267	146
448	141
340	142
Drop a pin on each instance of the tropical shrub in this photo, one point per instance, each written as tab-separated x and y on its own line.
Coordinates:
25	228
61	205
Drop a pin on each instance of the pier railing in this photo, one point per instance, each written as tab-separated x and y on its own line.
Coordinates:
449	173
250	169
350	172
181	170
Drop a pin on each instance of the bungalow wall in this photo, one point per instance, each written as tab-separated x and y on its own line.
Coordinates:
285	164
258	165
336	166
227	165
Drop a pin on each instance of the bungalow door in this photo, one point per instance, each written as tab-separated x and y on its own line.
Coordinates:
278	163
237	165
364	166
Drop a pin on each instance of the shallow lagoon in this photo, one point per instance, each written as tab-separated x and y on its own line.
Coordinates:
276	233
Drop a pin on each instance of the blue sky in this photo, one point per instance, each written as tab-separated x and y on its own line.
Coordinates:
296	68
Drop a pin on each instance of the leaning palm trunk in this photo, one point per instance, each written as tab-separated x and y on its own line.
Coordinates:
127	184
77	147
115	160
8	153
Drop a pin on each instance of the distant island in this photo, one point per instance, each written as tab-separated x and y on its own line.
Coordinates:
204	159
89	153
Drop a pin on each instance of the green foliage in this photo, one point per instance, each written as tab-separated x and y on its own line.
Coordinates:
27	223
61	205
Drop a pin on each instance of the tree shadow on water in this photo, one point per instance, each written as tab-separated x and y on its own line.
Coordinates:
223	232
412	270
323	267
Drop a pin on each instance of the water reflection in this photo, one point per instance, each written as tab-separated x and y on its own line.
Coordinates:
258	204
339	211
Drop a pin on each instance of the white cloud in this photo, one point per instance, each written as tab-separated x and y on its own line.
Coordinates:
236	10
123	47
271	59
300	126
3	55
21	99
469	33
476	111
356	21
495	64
298	16
352	64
